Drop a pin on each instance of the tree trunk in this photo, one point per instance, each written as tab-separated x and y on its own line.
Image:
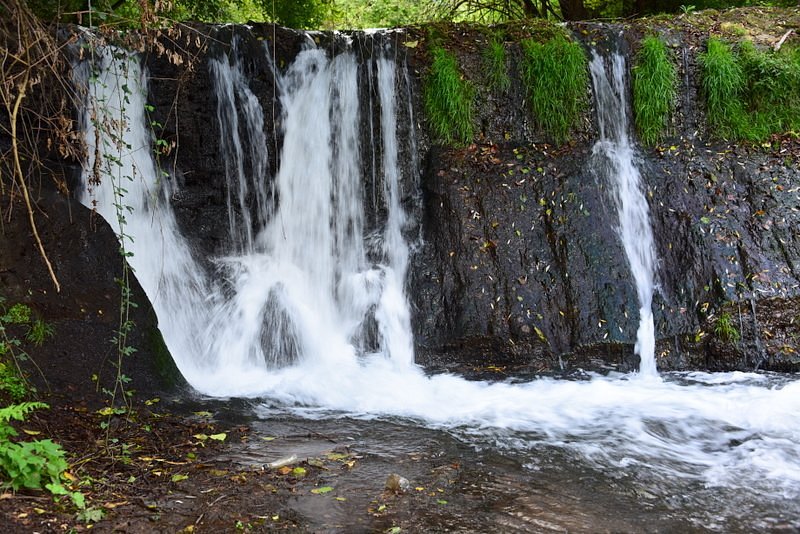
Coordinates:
573	9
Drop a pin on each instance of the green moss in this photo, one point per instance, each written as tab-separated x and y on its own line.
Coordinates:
555	76
654	89
163	364
750	93
494	59
448	99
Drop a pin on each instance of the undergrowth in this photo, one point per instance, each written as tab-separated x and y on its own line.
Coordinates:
555	75
448	99
654	89
18	323
494	59
750	93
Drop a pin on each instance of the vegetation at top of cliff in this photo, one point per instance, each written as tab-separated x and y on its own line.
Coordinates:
556	79
654	88
315	14
448	98
750	93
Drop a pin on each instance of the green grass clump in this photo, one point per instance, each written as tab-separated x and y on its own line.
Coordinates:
723	85
654	89
772	92
448	99
725	330
750	93
494	58
555	75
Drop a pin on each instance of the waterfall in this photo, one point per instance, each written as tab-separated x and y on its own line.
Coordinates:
614	155
306	307
122	182
303	282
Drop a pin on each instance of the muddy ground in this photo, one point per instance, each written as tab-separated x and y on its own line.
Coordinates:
169	469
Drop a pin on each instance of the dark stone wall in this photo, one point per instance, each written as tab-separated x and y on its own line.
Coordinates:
516	260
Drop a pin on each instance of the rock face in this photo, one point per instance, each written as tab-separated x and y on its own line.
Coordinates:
84	315
517	261
521	257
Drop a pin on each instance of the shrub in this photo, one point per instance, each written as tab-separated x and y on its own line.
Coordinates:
555	76
654	89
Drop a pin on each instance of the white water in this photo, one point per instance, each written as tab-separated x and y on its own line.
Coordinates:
290	322
615	148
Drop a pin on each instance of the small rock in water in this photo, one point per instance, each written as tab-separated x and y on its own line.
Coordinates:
397	484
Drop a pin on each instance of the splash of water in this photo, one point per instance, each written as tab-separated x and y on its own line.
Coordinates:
616	157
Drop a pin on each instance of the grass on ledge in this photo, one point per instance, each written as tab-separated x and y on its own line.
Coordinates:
494	59
555	75
448	99
654	90
750	93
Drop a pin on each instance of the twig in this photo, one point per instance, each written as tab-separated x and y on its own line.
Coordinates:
18	167
785	35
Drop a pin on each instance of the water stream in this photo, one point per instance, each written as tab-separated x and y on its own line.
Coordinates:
614	154
307	311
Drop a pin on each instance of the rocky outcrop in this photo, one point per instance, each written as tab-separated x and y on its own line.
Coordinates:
516	260
85	314
521	258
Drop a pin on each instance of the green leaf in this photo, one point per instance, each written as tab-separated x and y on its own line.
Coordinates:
179	477
299	472
218	437
322	490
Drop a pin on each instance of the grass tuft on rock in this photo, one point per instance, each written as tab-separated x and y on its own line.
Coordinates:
723	85
494	59
555	76
654	90
448	99
750	93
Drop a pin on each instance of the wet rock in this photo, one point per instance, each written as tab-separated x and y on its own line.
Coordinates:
397	484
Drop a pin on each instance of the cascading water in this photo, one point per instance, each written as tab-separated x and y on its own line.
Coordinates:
615	155
310	313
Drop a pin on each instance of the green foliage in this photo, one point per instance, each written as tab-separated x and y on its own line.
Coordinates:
725	330
772	92
723	86
13	321
12	383
34	464
750	93
448	99
17	314
377	14
654	89
494	59
555	75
